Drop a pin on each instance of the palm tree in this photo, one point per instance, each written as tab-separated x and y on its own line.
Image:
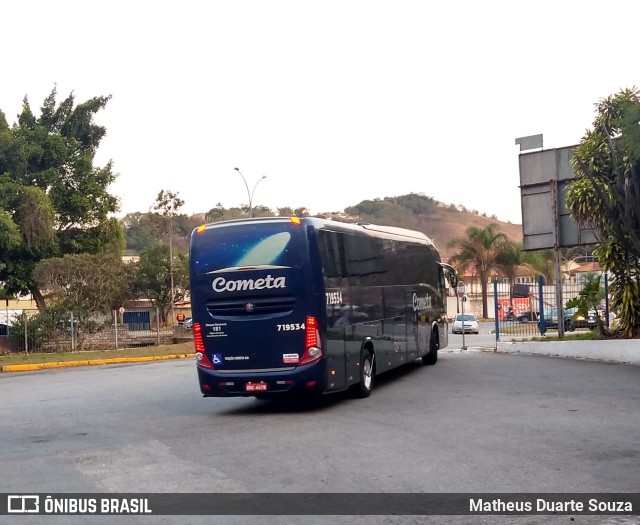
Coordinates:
508	261
515	257
543	263
481	250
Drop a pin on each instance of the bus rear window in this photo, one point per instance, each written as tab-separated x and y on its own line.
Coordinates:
238	246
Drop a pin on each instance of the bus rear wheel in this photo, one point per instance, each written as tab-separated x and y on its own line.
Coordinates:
365	386
434	344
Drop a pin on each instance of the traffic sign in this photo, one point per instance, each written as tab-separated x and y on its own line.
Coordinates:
461	289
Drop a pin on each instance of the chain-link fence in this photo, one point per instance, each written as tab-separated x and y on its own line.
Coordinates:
58	331
532	309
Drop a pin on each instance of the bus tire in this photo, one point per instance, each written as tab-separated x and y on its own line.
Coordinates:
367	373
432	357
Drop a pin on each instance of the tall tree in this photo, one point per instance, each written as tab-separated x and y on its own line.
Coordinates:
480	250
153	276
51	190
605	196
166	206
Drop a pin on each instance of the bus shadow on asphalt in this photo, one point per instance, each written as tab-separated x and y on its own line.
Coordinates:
309	404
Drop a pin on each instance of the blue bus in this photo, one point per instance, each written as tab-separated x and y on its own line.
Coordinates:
288	306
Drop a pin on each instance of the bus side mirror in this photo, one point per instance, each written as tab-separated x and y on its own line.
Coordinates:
451	272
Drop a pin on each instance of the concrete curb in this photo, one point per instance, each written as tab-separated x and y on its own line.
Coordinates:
612	351
90	362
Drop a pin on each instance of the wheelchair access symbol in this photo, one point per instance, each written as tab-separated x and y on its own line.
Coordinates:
217	359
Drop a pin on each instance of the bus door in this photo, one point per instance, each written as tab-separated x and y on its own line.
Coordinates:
425	308
337	334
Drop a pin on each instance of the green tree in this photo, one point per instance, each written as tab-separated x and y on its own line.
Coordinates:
543	263
51	190
215	214
219	213
514	257
166	206
262	211
86	282
153	273
143	230
184	226
509	259
385	211
139	231
480	249
82	285
287	211
605	195
589	299
9	233
418	203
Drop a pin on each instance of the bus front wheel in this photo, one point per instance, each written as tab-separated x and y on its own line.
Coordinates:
367	370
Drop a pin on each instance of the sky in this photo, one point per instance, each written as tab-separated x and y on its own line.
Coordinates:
334	101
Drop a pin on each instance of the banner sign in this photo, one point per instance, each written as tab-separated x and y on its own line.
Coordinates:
347	504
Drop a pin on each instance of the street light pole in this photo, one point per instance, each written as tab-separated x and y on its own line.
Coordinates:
173	300
250	193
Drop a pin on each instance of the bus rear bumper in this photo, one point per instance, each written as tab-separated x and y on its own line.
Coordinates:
302	380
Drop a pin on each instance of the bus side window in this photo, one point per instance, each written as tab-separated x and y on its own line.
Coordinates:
331	257
365	259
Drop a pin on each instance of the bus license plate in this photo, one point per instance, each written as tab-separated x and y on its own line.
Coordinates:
255	387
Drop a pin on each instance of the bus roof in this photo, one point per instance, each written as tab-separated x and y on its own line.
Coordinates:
375	230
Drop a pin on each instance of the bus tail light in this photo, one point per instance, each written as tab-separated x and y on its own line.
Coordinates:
201	356
312	342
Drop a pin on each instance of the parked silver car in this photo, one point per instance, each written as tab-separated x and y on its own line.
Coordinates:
466	322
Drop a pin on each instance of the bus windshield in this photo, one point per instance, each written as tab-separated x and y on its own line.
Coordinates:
238	247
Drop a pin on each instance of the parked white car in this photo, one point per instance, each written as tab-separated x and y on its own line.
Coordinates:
466	322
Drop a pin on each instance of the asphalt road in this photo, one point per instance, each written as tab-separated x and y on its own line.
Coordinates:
475	422
484	339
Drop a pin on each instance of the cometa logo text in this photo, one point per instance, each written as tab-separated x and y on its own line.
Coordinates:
220	284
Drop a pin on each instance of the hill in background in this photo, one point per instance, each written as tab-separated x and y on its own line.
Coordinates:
441	222
446	224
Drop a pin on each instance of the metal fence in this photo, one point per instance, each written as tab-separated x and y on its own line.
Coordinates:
54	331
532	309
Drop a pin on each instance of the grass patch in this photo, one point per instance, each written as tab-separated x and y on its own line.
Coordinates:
550	336
147	351
568	336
